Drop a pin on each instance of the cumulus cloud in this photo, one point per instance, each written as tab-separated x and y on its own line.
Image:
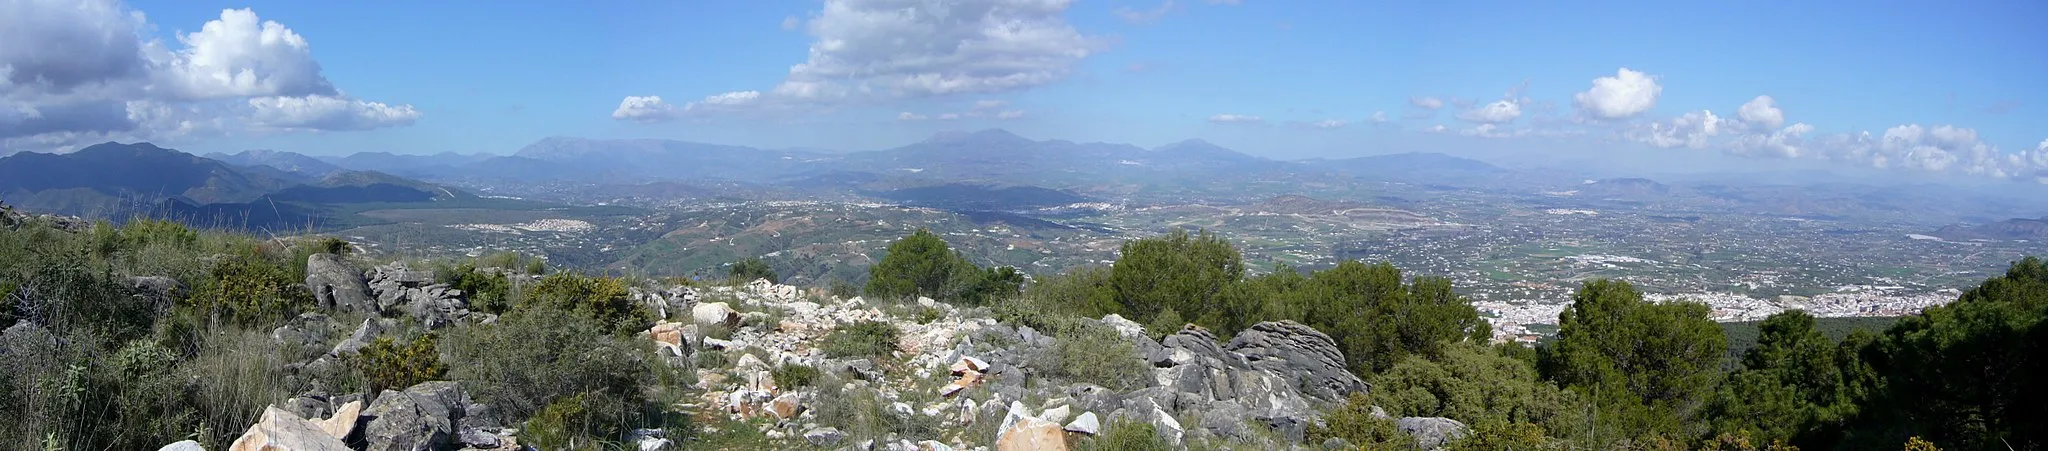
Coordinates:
328	113
241	55
1330	123
949	116
1438	128
1498	112
1378	116
1235	119
882	50
1626	94
909	116
1693	130
1011	114
1425	102
727	101
74	72
644	109
1761	112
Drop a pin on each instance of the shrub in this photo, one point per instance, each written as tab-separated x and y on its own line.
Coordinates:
862	339
747	270
1096	354
862	414
584	421
791	376
251	290
1129	435
604	299
1177	270
488	291
389	365
710	359
1353	421
535	355
923	265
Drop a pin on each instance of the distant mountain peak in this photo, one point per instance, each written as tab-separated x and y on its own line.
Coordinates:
1191	142
992	135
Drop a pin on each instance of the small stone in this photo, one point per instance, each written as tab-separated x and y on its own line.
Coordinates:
1087	423
824	436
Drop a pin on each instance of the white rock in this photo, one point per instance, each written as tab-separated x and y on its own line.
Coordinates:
714	313
1085	424
1055	415
187	445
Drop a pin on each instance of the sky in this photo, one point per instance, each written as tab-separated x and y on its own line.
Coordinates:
1953	89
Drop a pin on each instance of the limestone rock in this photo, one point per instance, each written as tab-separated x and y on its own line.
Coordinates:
1432	432
1297	352
715	313
423	416
280	430
824	437
364	334
187	445
337	286
1021	431
786	406
344	420
670	337
1087	423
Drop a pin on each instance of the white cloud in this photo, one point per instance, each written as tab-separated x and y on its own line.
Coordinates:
1761	113
76	72
241	55
723	102
875	51
1145	16
1235	118
1379	116
909	116
1425	102
791	22
1011	114
984	105
1693	130
644	109
1330	123
1438	128
949	116
328	113
1627	93
1498	112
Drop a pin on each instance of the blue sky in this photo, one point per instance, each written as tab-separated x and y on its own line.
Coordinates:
1947	88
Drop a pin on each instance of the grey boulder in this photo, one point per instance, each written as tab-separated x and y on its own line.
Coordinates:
423	417
336	286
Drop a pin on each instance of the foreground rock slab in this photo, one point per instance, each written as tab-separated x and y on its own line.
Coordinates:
279	430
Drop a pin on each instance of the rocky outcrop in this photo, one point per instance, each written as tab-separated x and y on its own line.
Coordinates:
337	286
1021	431
1432	432
363	336
1298	352
281	430
155	291
423	416
715	313
187	445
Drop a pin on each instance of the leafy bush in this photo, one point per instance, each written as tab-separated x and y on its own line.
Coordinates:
251	290
1182	271
1647	367
1095	354
536	355
391	366
1477	385
750	269
792	376
1354	422
584	421
862	339
604	299
488	291
923	265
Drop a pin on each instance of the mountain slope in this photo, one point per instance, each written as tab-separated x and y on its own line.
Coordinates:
107	175
282	160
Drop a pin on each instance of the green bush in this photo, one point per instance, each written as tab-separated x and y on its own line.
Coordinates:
1353	421
862	414
585	421
604	299
1181	271
792	376
536	355
1128	435
252	291
1095	354
923	265
488	291
387	365
862	339
748	270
